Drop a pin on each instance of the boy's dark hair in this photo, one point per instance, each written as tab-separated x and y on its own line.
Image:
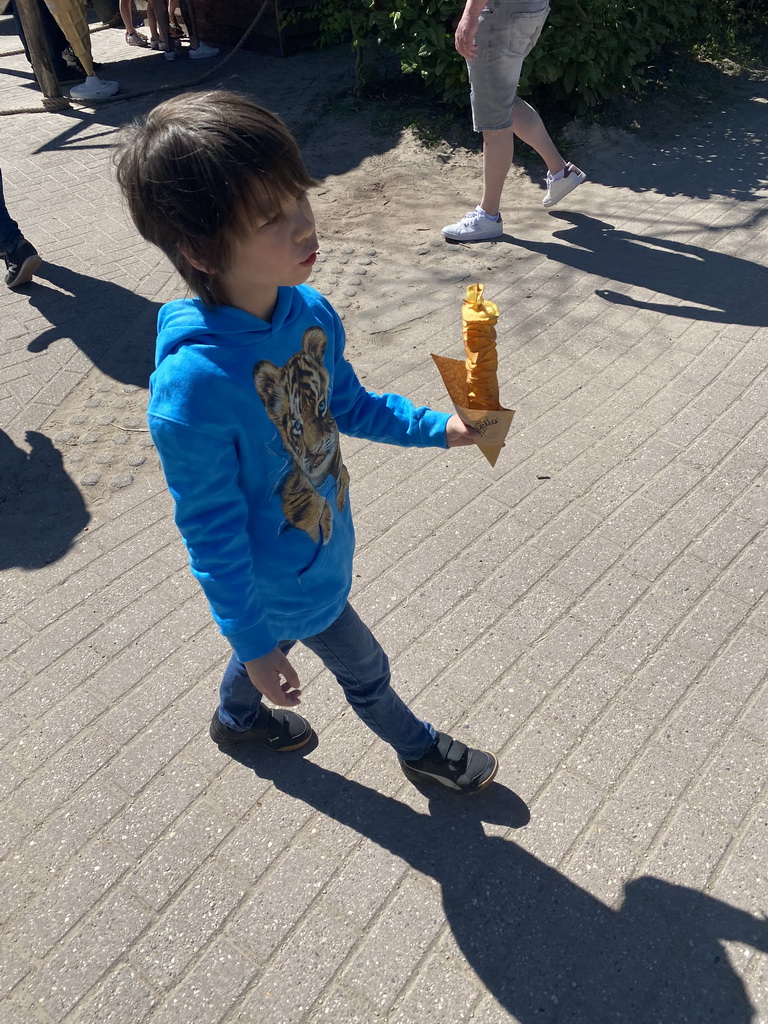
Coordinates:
198	171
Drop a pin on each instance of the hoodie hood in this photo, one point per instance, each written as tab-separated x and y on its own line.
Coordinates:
187	320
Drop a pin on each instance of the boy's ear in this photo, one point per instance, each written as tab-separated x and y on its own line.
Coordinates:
193	261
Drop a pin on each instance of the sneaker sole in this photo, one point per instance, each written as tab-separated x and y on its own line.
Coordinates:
469	238
26	271
416	776
571	187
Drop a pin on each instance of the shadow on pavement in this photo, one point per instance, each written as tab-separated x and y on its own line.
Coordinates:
713	287
113	327
41	509
546	948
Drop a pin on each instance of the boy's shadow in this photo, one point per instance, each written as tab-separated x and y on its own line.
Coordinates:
41	509
547	949
113	327
734	289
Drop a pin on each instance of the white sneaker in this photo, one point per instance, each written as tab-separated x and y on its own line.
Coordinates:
202	51
475	226
558	188
136	38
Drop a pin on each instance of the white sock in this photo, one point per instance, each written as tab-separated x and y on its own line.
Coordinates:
496	218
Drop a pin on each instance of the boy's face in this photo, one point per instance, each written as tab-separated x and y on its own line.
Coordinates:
278	251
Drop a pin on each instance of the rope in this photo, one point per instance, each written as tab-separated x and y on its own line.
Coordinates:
144	92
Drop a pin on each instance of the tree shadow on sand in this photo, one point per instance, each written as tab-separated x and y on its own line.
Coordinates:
41	509
712	287
548	950
112	326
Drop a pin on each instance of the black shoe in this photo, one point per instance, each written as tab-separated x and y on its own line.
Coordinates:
68	75
278	730
21	263
453	764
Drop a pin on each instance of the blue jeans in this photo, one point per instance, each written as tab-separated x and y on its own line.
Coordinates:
352	653
10	236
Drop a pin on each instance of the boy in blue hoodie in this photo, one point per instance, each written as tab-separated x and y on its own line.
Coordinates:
250	392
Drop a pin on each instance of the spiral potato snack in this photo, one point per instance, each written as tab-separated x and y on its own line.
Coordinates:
478	327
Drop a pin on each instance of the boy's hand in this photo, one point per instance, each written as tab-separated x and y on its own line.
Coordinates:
458	433
276	678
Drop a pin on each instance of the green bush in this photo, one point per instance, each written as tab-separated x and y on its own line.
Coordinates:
590	50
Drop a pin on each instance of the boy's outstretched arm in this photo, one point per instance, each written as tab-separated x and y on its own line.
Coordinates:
458	433
274	676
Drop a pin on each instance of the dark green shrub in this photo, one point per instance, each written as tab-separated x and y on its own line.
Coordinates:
590	50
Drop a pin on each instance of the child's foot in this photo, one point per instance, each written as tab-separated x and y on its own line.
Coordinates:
559	185
278	730
453	764
21	263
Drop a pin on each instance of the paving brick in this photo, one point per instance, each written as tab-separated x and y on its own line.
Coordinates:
645	797
73	894
690	848
724	539
166	868
40	651
712	622
122	995
102	937
733	779
141	759
212	986
441	991
341	1005
63	775
558	816
60	837
534	755
585	564
311	958
269	830
164	952
603	863
611	745
401	936
47	734
273	909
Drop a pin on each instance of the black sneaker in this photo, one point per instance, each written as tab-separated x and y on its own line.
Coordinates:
278	730
21	263
454	765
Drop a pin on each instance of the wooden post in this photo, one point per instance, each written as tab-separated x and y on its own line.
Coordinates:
40	55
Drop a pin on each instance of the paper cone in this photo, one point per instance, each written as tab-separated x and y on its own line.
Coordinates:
70	14
493	424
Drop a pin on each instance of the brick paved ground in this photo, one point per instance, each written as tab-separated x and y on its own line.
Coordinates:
594	609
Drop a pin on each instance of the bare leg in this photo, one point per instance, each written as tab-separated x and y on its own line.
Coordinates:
151	20
498	148
528	126
160	8
126	13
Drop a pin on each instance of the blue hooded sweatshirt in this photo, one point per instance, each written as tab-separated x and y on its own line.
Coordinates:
246	417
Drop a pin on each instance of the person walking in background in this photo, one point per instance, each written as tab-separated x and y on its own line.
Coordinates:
21	257
494	37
